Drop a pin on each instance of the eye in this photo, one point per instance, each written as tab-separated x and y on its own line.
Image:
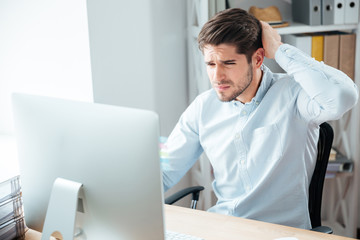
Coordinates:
229	63
210	64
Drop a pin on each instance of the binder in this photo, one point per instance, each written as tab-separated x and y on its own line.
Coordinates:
317	47
331	49
307	11
339	11
333	12
351	11
300	41
327	8
347	54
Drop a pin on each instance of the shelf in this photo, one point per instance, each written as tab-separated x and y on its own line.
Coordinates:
294	28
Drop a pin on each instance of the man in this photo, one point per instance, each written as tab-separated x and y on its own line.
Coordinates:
259	129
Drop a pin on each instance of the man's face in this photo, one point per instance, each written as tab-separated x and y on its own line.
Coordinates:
229	72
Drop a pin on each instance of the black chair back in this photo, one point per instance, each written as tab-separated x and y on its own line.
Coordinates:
317	181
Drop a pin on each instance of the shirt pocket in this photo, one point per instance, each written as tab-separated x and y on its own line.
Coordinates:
264	146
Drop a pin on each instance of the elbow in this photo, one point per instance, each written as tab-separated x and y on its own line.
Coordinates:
339	102
167	182
349	97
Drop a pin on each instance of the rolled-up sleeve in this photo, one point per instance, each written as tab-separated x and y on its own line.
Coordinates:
182	148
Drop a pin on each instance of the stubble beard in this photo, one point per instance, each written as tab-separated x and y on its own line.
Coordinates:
238	91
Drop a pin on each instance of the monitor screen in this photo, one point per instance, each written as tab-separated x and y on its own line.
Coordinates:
113	151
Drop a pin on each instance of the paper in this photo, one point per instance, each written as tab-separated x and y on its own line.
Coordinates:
9	166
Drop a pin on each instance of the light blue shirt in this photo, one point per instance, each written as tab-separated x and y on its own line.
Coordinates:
263	152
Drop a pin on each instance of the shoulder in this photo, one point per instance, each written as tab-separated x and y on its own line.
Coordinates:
277	80
204	105
207	95
206	98
285	82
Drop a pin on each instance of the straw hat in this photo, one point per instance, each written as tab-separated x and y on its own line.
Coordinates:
270	15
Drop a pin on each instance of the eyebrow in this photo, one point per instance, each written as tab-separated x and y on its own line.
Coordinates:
223	61
228	61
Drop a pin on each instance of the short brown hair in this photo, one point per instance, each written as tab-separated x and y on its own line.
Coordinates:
232	26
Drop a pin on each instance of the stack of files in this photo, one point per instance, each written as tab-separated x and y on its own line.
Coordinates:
311	44
338	164
336	49
339	12
12	225
339	51
333	12
325	12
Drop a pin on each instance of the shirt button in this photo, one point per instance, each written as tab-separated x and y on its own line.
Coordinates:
237	136
243	162
244	113
257	103
287	50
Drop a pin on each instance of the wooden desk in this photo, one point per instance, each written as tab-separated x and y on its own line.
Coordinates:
212	226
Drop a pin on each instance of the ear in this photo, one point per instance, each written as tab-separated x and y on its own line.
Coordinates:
258	57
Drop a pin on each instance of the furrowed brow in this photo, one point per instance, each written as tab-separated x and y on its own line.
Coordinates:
228	61
222	61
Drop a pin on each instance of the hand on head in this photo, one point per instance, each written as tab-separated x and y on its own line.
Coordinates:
271	40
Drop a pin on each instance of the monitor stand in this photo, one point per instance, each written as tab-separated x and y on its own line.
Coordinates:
61	213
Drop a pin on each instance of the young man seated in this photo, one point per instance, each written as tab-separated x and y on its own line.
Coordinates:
259	129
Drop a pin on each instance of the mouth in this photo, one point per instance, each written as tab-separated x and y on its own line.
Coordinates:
221	88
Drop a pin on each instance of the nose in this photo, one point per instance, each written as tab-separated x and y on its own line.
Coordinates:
219	74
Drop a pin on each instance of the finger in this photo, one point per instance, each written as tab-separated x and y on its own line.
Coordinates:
264	24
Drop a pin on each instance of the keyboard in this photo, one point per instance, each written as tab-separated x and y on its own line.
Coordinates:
170	235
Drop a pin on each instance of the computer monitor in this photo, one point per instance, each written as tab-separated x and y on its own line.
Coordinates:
112	151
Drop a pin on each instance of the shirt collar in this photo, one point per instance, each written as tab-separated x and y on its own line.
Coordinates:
264	84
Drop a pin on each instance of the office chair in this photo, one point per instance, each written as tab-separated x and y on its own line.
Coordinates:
326	136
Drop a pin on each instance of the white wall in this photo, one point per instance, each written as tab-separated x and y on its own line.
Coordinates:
138	55
44	49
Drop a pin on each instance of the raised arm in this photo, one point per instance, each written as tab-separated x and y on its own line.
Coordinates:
327	92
